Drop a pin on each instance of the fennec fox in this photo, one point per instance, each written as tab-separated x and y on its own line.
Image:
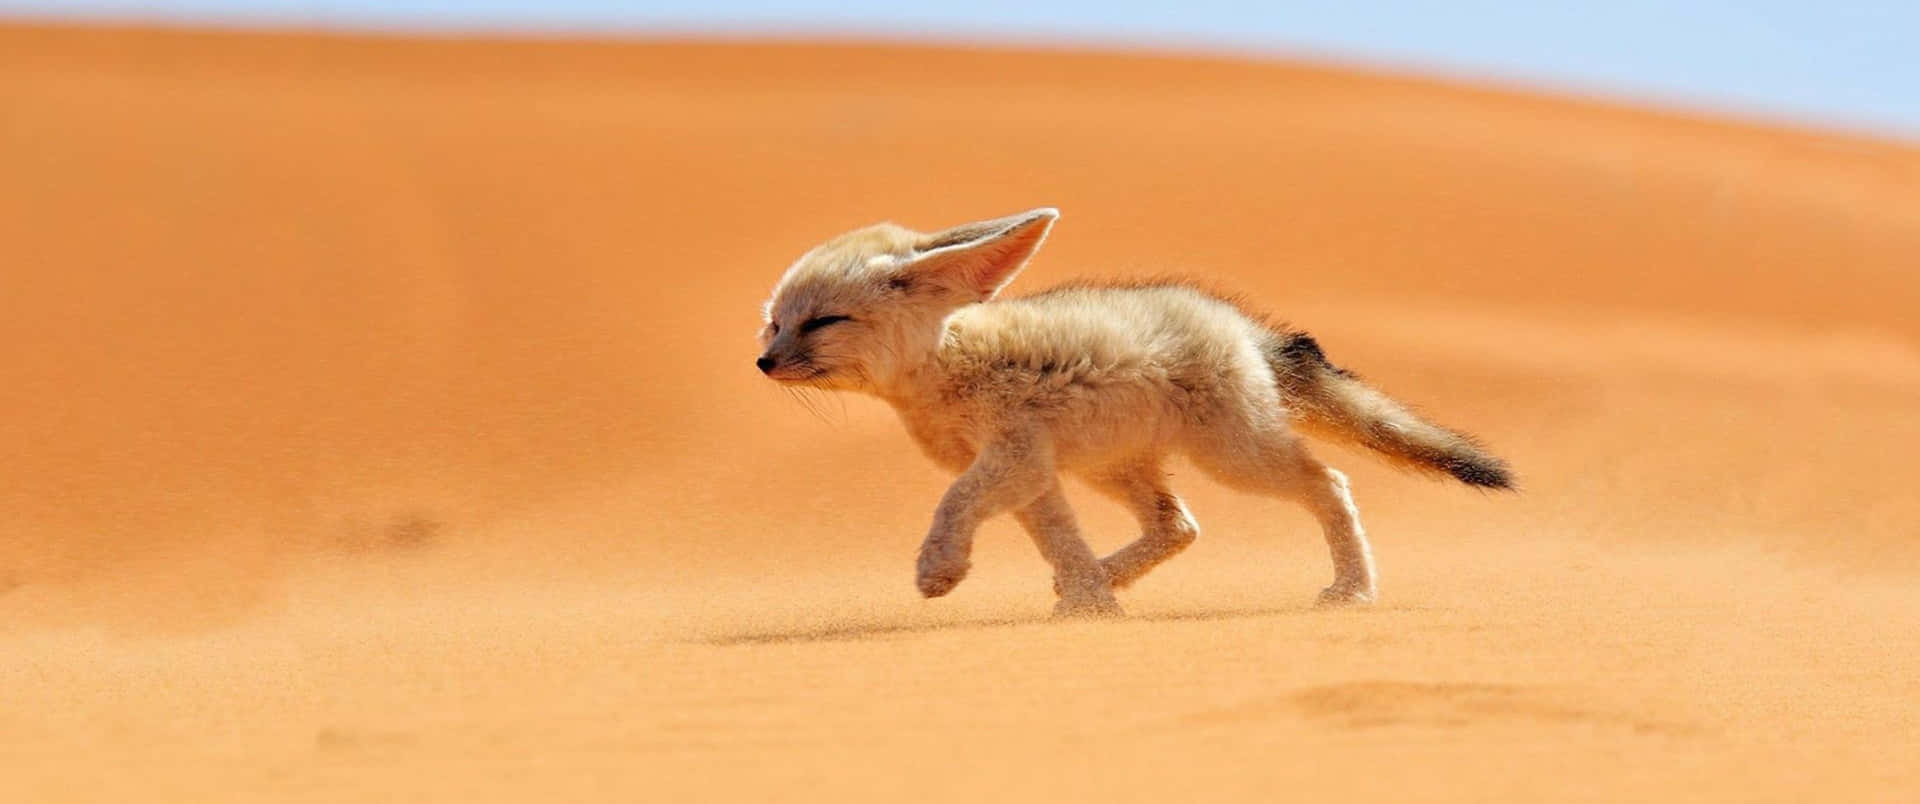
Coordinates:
1100	381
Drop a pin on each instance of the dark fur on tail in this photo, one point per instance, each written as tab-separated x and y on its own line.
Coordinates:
1331	402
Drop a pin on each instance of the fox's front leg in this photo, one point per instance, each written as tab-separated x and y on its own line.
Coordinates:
1010	472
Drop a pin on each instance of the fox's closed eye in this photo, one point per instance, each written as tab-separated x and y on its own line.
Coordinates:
822	321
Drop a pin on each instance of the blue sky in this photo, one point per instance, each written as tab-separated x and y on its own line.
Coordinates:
1851	64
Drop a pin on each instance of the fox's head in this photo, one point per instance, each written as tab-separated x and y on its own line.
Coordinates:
857	310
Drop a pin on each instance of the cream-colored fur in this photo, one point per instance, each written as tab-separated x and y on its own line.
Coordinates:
1100	382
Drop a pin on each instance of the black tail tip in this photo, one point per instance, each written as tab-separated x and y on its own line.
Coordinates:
1486	473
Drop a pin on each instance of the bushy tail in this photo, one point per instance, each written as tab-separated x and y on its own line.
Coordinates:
1330	402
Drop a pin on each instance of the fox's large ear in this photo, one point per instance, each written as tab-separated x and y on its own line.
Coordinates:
980	258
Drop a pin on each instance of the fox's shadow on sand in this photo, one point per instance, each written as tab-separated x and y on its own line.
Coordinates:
1356	705
855	631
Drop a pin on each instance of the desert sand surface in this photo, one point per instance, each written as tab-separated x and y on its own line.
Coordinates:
380	424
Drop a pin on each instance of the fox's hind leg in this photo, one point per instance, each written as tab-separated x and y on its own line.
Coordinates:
1166	528
1077	576
1276	462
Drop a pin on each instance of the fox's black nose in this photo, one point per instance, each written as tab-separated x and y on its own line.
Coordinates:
765	363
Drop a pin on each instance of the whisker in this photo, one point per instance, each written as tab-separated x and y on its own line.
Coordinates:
807	401
811	398
795	396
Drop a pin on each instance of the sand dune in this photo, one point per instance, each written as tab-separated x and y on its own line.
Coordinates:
380	422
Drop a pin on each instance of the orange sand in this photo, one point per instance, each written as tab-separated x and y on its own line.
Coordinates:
379	423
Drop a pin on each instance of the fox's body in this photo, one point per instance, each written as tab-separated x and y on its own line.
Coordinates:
1111	374
1104	382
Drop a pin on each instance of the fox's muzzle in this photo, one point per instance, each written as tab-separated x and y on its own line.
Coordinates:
785	364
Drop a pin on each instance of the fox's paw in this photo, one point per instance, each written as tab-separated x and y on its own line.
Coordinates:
1085	594
939	574
1344	595
1097	607
1099	584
